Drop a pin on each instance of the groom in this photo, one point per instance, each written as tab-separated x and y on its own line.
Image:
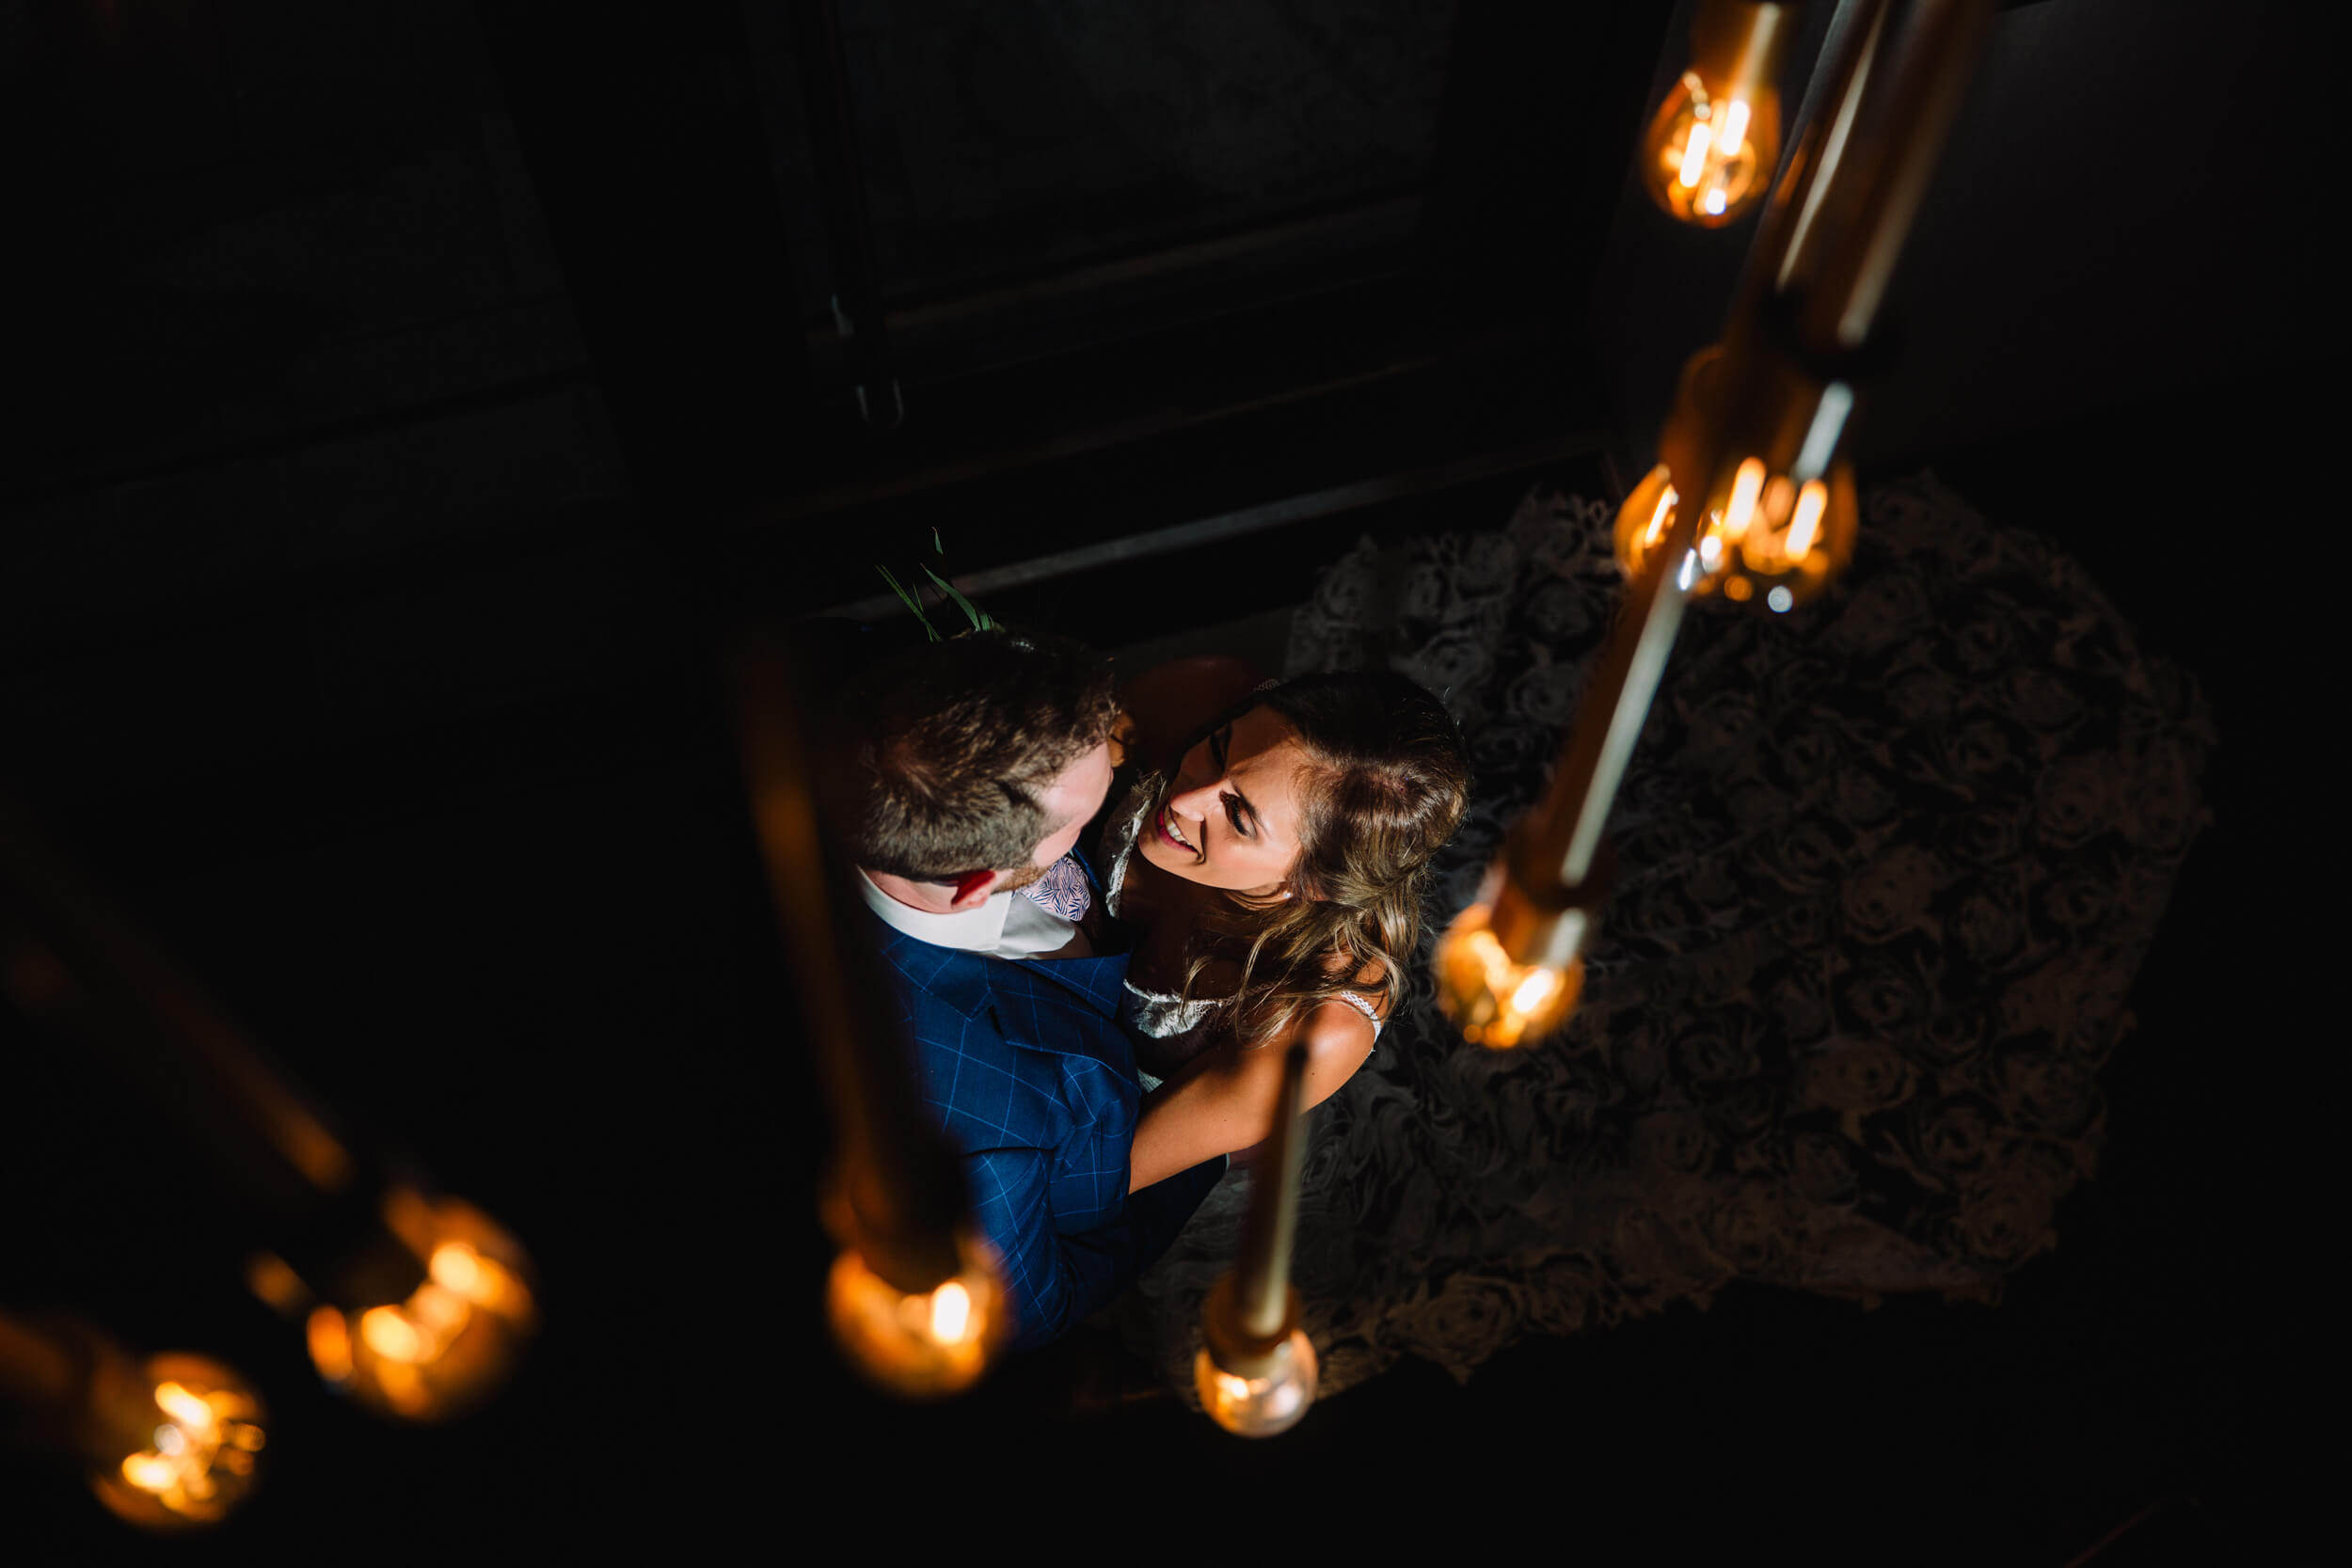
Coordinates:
973	765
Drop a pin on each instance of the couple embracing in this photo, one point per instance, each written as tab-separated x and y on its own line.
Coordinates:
1105	913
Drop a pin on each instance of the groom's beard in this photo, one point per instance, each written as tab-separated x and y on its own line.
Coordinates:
1015	880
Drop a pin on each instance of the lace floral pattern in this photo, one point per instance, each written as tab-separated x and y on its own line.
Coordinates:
1885	869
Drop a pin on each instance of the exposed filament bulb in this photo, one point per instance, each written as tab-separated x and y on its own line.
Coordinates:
1708	153
202	1456
1493	1000
456	1334
921	1344
1769	533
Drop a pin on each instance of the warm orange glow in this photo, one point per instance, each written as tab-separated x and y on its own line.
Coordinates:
951	1313
1657	518
387	1331
330	1344
457	1333
1494	1001
924	1344
1770	533
1707	156
1746	485
1260	1406
1643	520
1694	155
1735	129
200	1462
1811	503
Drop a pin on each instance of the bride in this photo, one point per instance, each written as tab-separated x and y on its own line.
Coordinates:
1269	865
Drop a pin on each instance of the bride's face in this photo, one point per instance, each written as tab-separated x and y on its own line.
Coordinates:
1231	813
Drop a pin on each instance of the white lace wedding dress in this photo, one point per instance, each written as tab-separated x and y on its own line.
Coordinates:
1887	867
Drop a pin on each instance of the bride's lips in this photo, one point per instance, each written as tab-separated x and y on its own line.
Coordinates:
1168	836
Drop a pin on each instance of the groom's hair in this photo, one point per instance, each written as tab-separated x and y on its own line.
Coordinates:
948	745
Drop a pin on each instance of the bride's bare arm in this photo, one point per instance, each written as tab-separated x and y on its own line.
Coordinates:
1224	1099
1168	701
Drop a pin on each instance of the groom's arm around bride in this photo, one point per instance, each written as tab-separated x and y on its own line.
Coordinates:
970	767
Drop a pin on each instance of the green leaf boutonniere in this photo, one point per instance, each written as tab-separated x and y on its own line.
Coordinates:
914	600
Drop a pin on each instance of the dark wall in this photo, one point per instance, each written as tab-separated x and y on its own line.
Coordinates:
2117	216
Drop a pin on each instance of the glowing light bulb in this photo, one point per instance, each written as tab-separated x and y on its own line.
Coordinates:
923	1344
1711	150
202	1458
1797	555
1492	1000
456	1335
1265	1405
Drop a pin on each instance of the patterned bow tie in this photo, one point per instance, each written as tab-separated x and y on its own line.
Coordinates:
1062	890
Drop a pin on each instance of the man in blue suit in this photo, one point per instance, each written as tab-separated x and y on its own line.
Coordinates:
974	764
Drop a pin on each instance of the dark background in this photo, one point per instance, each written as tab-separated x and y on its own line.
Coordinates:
411	397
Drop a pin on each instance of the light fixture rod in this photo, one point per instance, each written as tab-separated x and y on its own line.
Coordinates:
1271	1226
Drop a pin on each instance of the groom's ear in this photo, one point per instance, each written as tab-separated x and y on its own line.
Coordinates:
971	889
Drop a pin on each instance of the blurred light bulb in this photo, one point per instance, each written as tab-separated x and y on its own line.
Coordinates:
1492	1000
1770	532
1264	1405
923	1344
205	1441
1712	145
1709	156
455	1336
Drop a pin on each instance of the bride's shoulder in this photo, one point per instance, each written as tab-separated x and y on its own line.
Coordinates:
1369	975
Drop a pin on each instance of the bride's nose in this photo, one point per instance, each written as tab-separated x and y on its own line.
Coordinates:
1197	801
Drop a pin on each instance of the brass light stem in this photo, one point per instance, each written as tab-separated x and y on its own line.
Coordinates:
1923	100
34	1373
898	1186
1786	240
72	956
1263	1268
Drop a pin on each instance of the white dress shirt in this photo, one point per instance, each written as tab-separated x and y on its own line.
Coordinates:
1007	926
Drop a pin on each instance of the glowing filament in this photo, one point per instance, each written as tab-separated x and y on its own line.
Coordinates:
1534	991
1746	485
1735	127
920	1343
331	1344
1694	155
184	1408
1495	1001
1657	518
1265	1405
387	1331
202	1458
1811	503
951	1312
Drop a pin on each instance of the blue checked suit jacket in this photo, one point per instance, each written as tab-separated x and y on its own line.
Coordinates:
1025	1065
